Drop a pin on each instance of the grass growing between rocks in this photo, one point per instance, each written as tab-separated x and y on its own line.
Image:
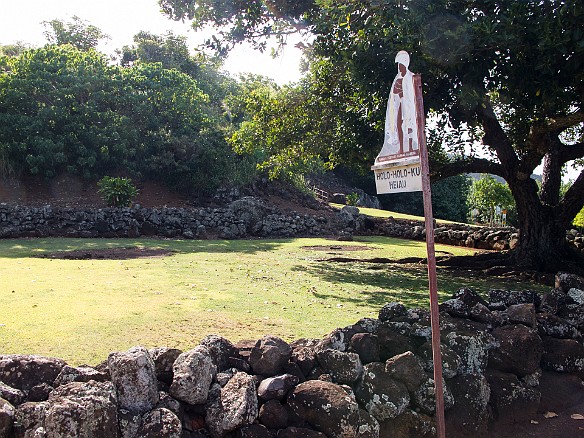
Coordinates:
80	310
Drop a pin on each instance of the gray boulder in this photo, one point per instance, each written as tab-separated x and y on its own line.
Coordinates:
82	410
194	370
382	396
221	350
134	375
29	419
277	387
269	356
233	406
368	425
326	407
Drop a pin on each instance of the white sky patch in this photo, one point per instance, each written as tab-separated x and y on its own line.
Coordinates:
122	19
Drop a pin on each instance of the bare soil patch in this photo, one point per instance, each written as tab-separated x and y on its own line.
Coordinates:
109	254
337	248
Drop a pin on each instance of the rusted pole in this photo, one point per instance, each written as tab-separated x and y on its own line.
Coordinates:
433	286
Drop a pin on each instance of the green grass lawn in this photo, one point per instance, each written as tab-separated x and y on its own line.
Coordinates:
80	310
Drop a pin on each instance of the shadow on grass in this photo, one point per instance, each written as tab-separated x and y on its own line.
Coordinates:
407	284
20	248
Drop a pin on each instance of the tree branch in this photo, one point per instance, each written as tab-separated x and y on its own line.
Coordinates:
473	165
496	138
559	123
573	200
572	152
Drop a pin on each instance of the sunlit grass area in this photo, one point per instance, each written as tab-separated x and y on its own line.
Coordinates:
374	212
80	310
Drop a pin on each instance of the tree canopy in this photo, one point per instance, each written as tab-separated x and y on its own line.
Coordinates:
509	73
78	33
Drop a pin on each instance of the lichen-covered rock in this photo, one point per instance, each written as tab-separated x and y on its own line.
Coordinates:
276	387
273	415
406	368
164	358
14	396
193	370
339	339
556	327
79	374
327	407
221	350
6	418
269	356
30	418
25	371
451	362
233	406
566	281
134	375
562	355
471	342
366	345
519	350
380	394
522	314
368	425
392	310
424	397
469	297
82	410
506	298
129	423
576	295
160	423
456	308
511	401
469	416
345	368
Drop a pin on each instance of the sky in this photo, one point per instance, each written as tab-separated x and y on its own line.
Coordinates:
121	20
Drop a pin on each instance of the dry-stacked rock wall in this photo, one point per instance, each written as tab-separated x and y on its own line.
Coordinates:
245	217
505	359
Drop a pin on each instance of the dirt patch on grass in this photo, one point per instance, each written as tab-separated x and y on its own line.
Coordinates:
337	248
109	254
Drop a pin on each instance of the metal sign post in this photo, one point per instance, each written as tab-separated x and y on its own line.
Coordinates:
402	166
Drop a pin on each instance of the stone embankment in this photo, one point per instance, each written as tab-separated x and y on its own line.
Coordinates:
505	360
243	218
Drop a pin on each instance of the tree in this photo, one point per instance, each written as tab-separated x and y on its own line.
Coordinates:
486	195
510	72
79	33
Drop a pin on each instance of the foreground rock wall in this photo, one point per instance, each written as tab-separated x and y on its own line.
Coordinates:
245	217
505	359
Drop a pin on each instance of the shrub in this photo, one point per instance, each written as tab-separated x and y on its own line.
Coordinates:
352	199
117	192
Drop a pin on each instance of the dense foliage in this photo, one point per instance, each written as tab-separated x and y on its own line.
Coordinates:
63	109
488	196
117	191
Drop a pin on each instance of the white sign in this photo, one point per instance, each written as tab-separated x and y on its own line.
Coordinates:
397	179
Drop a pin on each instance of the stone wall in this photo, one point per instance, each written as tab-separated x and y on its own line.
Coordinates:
505	360
245	217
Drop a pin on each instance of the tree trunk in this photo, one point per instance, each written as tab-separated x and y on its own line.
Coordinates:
542	232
